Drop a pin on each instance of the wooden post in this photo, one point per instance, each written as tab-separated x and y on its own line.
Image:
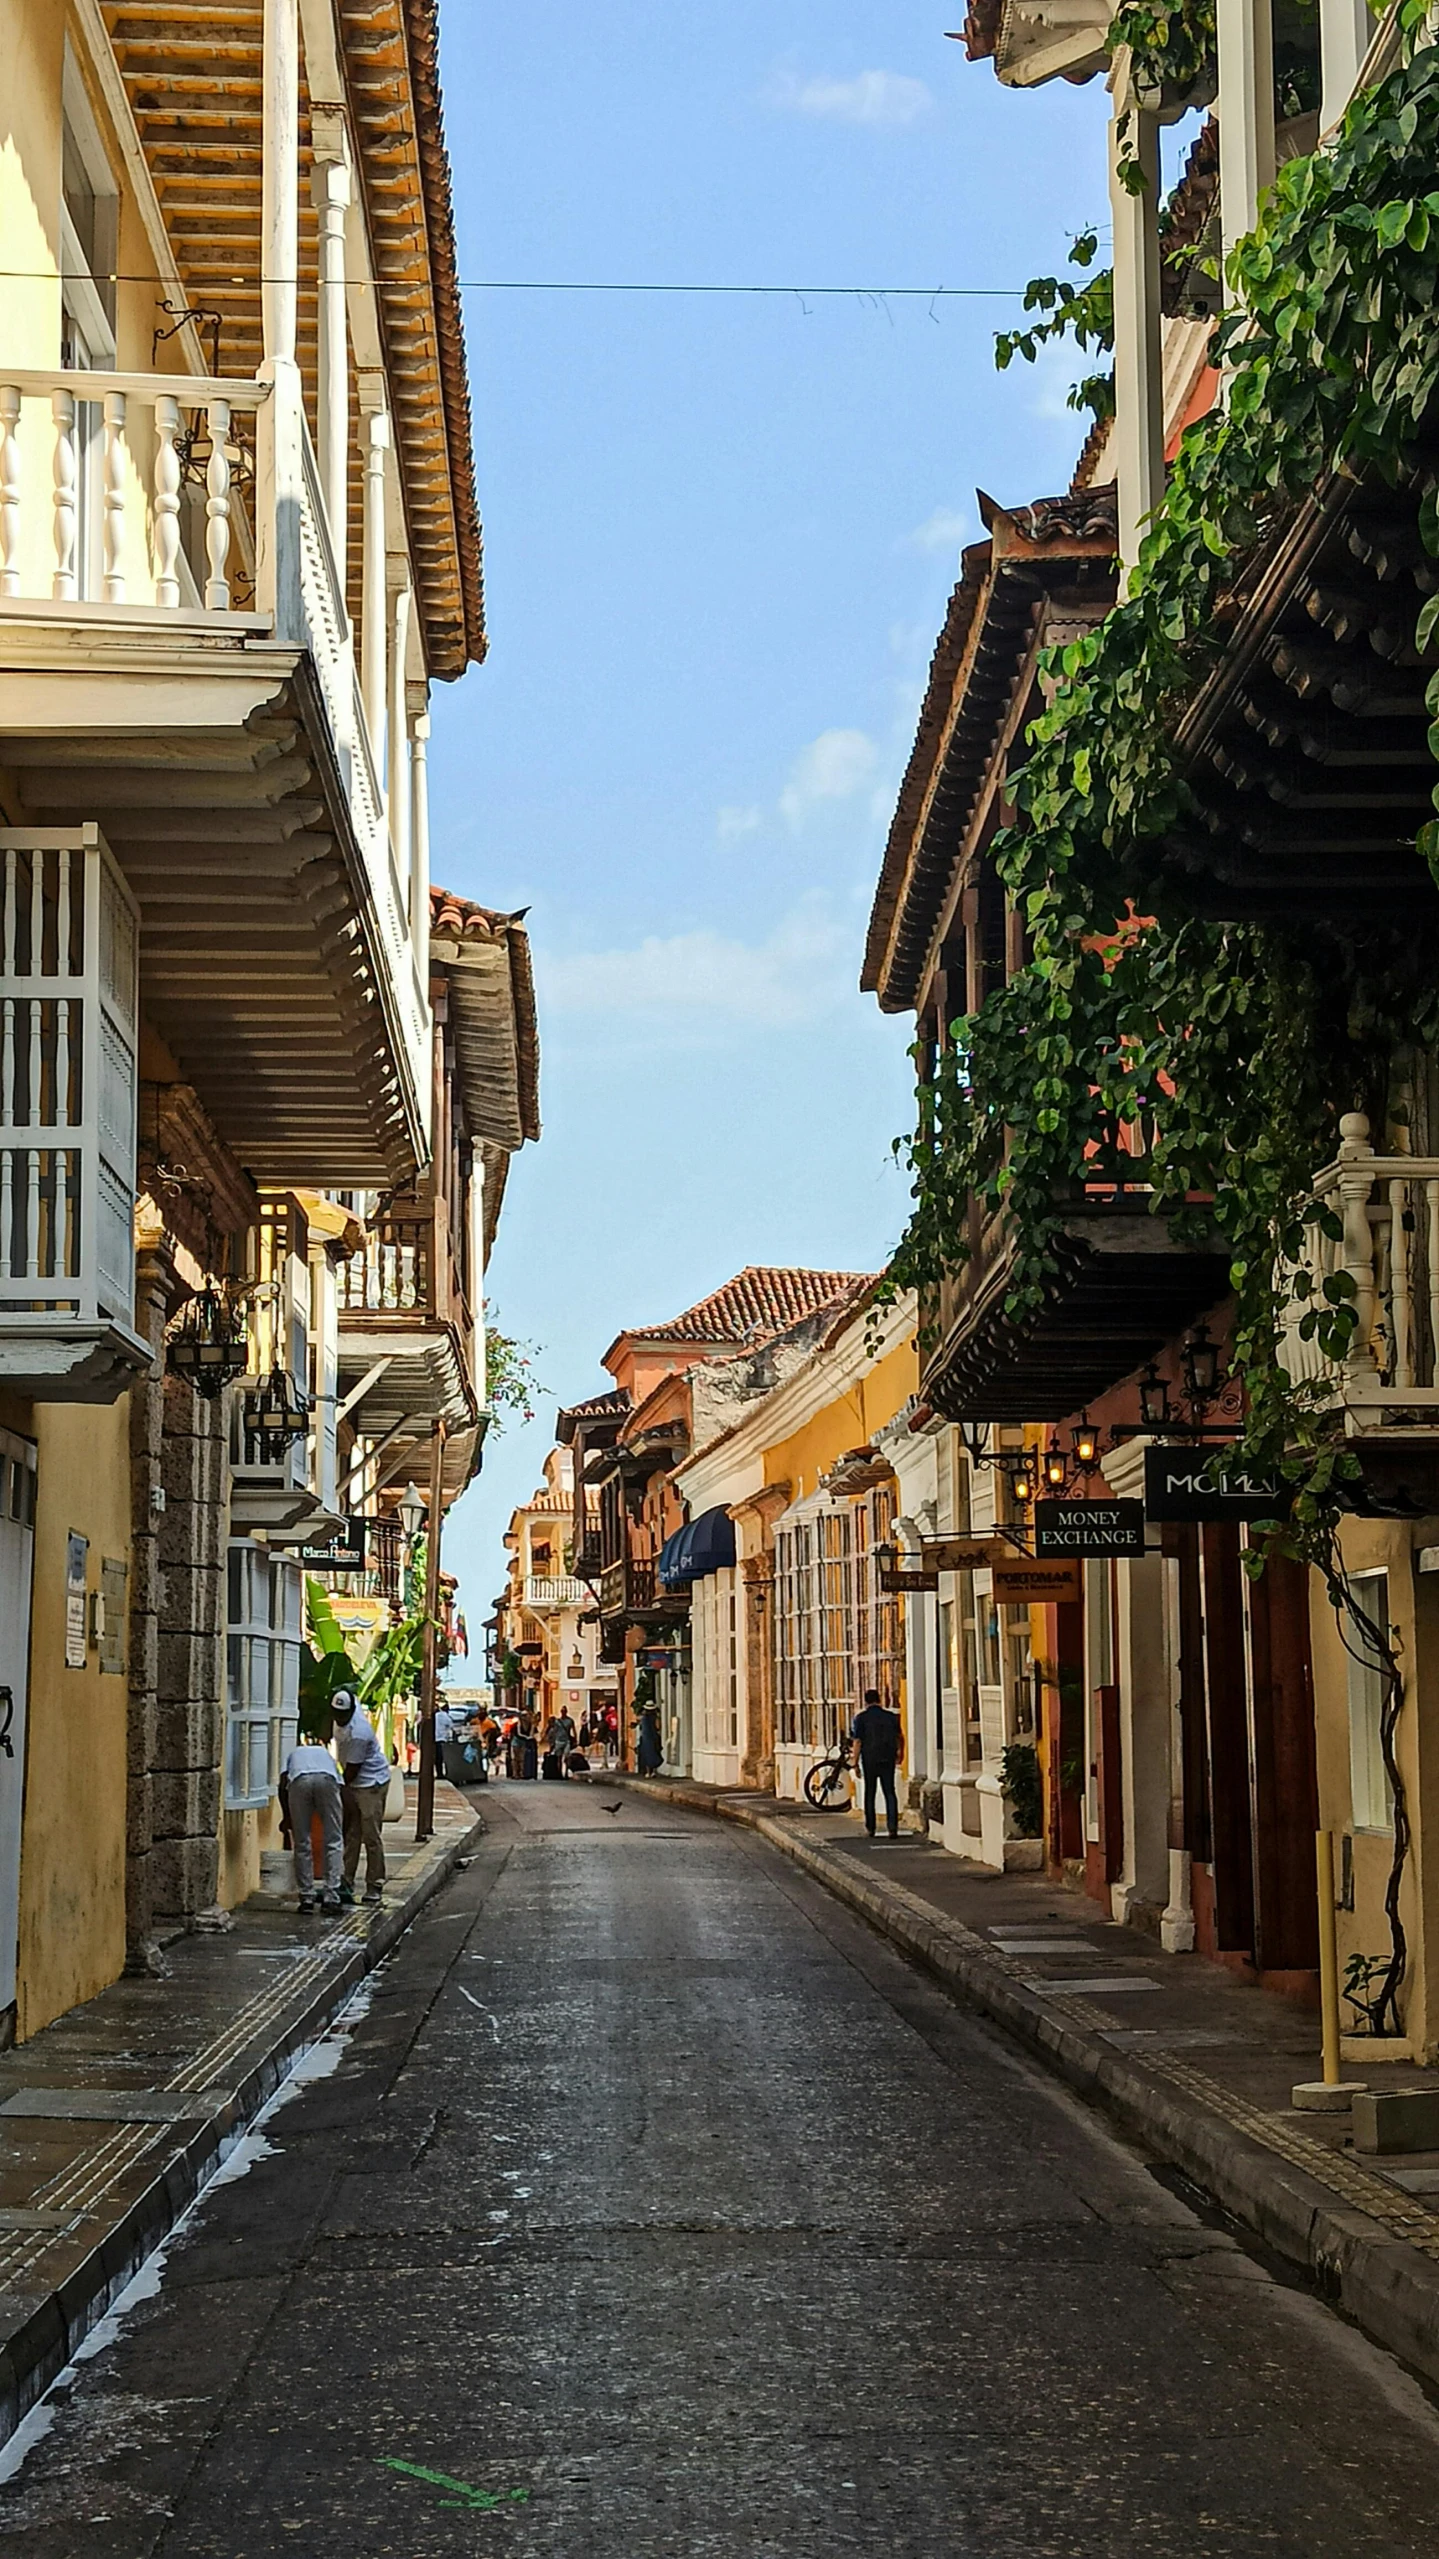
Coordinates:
280	176
1245	108
425	1813
1138	383
331	188
373	635
1328	1956
1345	31
397	751
420	844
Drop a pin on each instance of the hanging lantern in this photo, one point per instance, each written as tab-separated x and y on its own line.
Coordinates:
276	1413
1086	1442
208	1344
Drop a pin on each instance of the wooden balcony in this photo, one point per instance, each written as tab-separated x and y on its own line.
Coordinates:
180	671
406	1331
1121	1287
632	1593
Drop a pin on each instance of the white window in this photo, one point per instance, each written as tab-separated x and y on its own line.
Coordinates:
262	1671
1370	1795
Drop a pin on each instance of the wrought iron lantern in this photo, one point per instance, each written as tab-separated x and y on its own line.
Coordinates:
1056	1467
1154	1409
1199	1361
208	1345
276	1412
412	1513
1086	1443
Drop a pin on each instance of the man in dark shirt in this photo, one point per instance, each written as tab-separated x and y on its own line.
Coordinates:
876	1728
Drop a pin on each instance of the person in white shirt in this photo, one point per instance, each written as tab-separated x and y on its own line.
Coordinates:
367	1782
310	1786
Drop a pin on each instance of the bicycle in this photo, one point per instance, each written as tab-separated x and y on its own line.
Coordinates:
824	1784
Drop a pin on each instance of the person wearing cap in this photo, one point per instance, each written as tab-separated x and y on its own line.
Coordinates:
878	1732
367	1783
310	1786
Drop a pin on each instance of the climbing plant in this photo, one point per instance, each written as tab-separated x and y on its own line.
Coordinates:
1084	312
1251	1039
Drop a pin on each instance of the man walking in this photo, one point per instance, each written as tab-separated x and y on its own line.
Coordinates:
310	1787
367	1782
877	1730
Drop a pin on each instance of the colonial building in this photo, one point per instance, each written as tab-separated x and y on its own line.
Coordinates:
548	1622
238	546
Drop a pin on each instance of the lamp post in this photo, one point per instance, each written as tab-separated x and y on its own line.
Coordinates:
425	1810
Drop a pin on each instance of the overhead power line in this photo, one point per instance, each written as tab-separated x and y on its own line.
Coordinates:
541	284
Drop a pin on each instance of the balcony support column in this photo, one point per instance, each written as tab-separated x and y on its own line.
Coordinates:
1345	31
1138	377
373	604
1245	107
397	756
332	190
420	839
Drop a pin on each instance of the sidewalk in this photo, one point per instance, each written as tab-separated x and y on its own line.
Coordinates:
1192	2062
112	2118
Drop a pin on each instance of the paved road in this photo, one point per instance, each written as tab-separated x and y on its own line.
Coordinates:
656	2207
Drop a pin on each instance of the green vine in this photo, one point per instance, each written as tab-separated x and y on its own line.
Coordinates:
1084	312
1234	1048
511	1386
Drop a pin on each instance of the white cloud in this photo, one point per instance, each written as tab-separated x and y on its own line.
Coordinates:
871	97
945	530
734	822
833	767
691	981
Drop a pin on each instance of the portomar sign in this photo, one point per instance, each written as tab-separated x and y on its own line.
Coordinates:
1083	1529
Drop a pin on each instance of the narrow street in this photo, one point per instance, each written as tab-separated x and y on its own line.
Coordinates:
654	2205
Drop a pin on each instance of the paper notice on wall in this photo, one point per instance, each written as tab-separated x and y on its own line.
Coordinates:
76	1552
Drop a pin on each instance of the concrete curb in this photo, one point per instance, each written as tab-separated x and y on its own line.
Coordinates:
32	2354
1389	2288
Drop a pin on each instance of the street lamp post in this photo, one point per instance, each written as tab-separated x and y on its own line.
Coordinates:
425	1810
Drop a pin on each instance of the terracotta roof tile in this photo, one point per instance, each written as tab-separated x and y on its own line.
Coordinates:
758	1303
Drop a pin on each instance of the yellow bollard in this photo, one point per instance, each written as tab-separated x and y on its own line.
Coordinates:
1329	2095
1328	1956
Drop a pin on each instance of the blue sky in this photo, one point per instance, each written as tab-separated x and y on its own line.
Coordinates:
720	535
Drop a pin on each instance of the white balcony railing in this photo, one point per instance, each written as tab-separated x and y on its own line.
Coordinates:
127	495
69	944
545	1590
1388	1209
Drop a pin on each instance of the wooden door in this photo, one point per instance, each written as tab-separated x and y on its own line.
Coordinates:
1285	1788
1227	1684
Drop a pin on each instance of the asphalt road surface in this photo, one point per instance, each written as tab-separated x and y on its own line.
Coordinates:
655	2206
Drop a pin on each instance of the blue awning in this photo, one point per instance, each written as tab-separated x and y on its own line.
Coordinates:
706	1546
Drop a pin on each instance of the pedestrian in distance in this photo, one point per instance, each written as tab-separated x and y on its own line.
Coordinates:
649	1748
309	1789
559	1742
367	1783
878	1732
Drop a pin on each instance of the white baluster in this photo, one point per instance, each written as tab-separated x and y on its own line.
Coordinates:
32	1215
167	500
217	508
35	1105
62	409
62	914
37	913
7	944
61	1112
9	489
7	1206
59	1235
1400	1328
1355	1181
114	497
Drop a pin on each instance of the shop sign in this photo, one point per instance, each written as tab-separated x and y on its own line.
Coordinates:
1089	1528
1029	1580
77	1549
1177	1486
897	1579
344	1553
960	1554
